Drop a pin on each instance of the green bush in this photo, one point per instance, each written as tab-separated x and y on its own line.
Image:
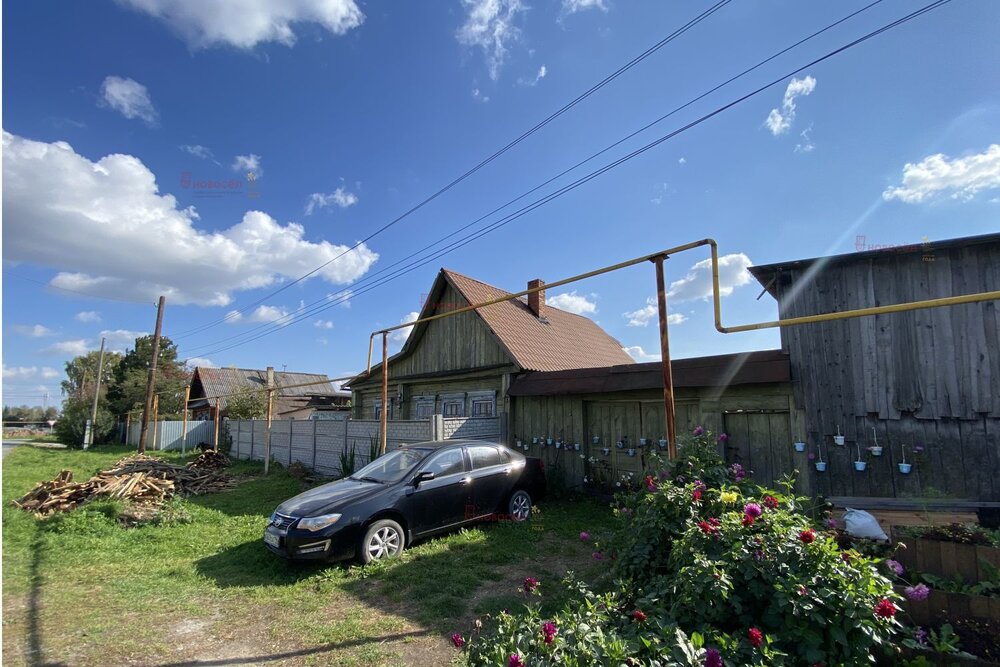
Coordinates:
72	422
720	571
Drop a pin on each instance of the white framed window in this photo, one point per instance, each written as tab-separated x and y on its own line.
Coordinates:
378	409
454	407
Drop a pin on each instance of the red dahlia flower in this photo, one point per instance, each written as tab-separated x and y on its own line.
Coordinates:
770	502
885	608
807	536
457	640
755	636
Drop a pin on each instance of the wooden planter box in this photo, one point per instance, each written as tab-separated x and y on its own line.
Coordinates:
942	607
946	559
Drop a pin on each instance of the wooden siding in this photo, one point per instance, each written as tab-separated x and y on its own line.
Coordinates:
365	398
639	414
457	343
927	378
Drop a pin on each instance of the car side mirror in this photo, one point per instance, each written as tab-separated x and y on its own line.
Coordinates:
424	476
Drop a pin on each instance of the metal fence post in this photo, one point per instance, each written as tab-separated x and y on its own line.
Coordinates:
315	424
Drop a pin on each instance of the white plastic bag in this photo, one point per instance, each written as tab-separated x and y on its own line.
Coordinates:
860	523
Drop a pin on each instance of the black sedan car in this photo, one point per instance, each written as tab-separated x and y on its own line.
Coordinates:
413	492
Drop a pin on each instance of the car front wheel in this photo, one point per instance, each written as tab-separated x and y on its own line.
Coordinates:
384	539
519	506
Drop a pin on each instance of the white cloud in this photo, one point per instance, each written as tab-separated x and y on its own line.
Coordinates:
805	144
574	6
322	340
478	95
573	303
938	175
323	324
400	335
194	362
533	81
87	316
779	121
340	197
19	372
34	331
489	24
99	223
649	312
119	340
71	348
682	160
198	151
247	23
697	284
640	355
49	373
271	315
248	163
129	98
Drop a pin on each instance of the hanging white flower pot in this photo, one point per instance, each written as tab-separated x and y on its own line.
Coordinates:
605	450
642	442
576	446
631	452
876	450
548	441
517	443
559	444
838	439
620	445
597	439
534	441
820	466
663	443
860	465
904	467
800	446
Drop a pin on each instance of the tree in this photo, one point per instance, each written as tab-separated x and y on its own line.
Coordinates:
82	370
247	405
128	388
72	424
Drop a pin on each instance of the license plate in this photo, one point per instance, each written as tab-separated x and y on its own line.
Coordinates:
272	539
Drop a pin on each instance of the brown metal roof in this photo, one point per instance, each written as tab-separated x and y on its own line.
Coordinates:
764	366
222	381
560	341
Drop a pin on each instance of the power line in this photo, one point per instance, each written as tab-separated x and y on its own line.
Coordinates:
538	126
352	293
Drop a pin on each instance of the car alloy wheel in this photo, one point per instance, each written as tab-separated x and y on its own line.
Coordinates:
384	539
520	506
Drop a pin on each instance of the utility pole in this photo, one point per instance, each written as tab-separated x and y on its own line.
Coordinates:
97	394
270	407
151	378
184	430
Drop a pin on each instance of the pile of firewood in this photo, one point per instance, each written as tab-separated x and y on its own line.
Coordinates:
210	460
139	479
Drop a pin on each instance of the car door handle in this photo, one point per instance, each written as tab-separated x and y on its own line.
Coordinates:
507	470
465	480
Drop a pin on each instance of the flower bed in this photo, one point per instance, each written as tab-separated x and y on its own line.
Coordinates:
707	569
945	606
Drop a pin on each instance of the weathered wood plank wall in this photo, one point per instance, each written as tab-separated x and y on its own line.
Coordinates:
927	378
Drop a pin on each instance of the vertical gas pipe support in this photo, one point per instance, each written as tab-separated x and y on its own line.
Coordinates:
384	425
668	377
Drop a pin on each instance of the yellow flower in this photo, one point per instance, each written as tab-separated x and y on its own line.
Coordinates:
729	497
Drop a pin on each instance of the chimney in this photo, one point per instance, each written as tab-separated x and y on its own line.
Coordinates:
270	377
536	300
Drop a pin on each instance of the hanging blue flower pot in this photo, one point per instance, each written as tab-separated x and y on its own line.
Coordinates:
820	466
800	446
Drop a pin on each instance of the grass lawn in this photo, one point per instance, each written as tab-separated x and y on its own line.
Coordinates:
201	589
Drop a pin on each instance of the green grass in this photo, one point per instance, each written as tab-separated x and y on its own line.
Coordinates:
80	589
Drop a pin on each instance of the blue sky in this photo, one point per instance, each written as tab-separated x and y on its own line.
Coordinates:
130	128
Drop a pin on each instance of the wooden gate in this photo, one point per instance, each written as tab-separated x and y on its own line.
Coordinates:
760	441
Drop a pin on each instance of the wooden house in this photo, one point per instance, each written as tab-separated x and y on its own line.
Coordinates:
291	401
922	383
463	365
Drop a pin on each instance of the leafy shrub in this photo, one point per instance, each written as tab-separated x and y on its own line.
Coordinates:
721	572
72	423
347	465
959	533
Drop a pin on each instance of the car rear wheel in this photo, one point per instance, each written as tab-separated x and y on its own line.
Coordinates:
384	539
519	506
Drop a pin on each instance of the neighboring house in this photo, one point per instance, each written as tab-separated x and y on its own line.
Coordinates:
315	401
924	380
463	365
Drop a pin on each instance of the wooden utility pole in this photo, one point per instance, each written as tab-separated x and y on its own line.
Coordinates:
270	409
156	419
384	425
97	394
668	377
218	418
151	378
184	428
128	425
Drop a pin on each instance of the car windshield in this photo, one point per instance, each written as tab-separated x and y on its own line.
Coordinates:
392	467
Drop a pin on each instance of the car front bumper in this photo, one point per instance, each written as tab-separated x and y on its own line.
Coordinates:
333	543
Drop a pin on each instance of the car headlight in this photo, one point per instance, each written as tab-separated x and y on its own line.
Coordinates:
315	523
